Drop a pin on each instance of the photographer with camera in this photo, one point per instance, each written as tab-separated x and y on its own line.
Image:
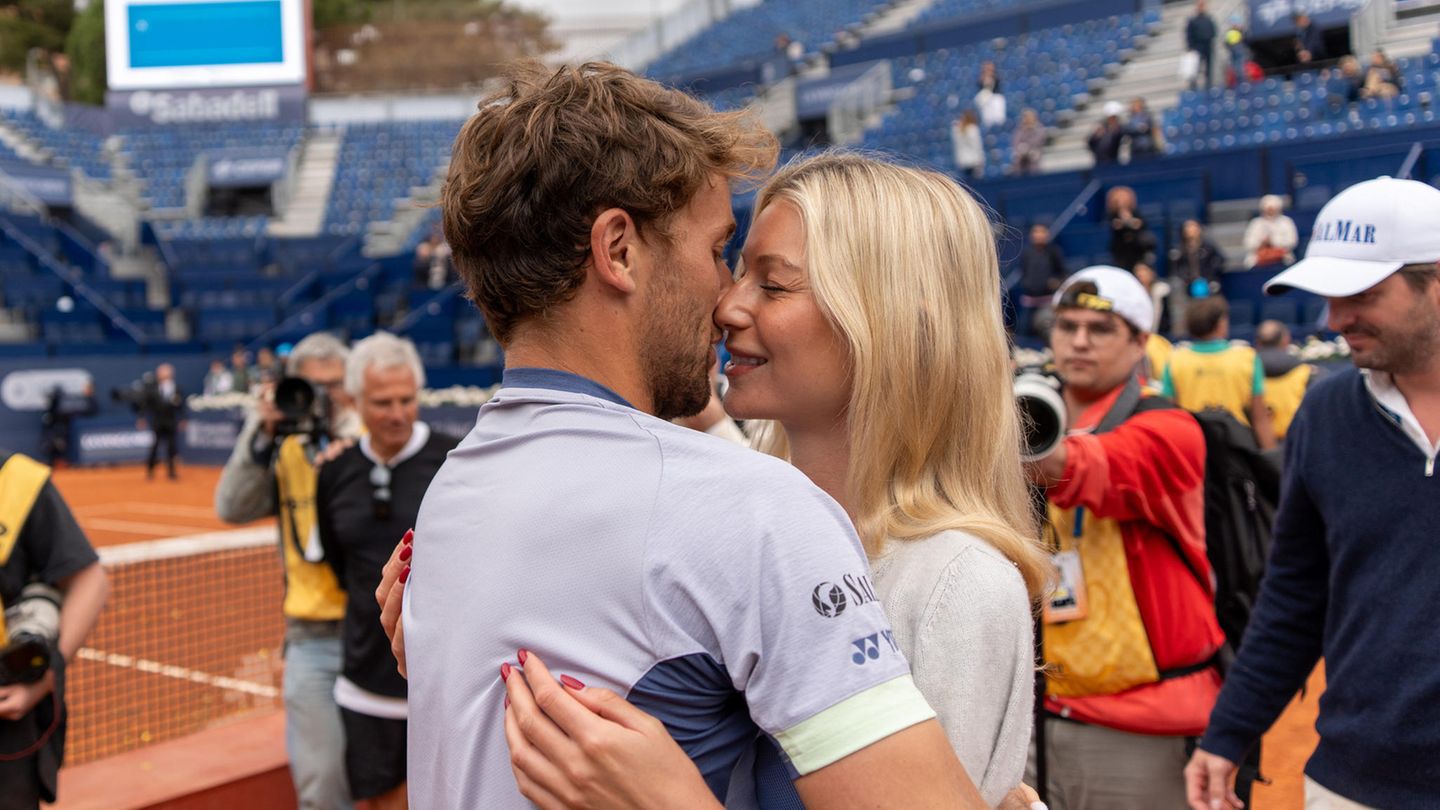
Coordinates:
51	590
1130	634
161	403
272	472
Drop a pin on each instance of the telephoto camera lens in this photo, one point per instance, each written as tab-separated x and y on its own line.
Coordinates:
33	625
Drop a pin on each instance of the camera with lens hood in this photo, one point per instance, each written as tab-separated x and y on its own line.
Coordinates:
304	409
1043	417
32	630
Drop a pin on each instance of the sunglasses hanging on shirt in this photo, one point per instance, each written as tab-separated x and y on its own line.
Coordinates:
380	494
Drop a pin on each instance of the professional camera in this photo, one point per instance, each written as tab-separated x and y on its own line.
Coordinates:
134	396
304	409
32	627
1042	411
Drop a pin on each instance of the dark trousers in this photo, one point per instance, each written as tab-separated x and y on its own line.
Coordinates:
166	435
1206	68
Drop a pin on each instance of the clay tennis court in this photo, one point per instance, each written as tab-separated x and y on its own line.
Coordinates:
190	638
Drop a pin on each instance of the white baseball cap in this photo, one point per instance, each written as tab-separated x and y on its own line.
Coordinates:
1116	291
1114	108
1363	235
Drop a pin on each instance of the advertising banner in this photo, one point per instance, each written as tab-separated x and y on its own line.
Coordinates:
140	108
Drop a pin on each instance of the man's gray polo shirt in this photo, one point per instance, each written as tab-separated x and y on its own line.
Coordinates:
715	587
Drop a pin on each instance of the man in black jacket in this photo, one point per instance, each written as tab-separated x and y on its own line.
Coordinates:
1194	259
161	405
1042	268
1309	41
1200	35
366	497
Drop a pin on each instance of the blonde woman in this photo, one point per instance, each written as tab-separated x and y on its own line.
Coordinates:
865	326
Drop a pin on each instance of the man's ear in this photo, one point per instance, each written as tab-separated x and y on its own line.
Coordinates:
614	249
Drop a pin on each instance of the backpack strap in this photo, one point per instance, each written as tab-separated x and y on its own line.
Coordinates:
1124	407
21	480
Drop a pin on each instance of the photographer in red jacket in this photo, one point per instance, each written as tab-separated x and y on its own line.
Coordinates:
1130	635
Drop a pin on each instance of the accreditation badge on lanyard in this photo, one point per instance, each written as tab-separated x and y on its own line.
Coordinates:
1068	602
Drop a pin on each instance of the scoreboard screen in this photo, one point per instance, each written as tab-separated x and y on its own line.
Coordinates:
217	43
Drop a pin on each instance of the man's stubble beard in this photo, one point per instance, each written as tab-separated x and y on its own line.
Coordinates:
1410	350
678	378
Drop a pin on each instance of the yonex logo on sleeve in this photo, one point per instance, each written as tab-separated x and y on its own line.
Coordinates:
868	648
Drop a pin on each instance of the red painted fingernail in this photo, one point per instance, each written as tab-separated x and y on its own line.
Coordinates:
404	573
409	536
571	682
406	552
523	655
505	671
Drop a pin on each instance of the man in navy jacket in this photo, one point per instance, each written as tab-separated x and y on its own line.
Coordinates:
1349	577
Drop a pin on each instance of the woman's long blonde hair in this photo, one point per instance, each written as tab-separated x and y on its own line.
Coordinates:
902	262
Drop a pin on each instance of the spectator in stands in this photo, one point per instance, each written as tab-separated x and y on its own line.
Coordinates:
1159	291
1141	132
442	267
1108	135
1213	373
1287	378
423	254
1309	41
219	380
1238	50
240	369
161	406
267	366
988	99
273	474
365	497
968	144
1382	77
1200	33
1347	85
1350	577
1027	144
1042	268
1194	263
44	557
433	265
1132	244
794	51
1270	238
1131	670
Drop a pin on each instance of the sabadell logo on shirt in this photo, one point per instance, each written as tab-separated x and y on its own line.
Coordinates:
830	599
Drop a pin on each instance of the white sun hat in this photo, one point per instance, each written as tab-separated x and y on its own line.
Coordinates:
1365	234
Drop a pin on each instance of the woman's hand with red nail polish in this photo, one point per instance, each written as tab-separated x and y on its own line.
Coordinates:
628	759
391	596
